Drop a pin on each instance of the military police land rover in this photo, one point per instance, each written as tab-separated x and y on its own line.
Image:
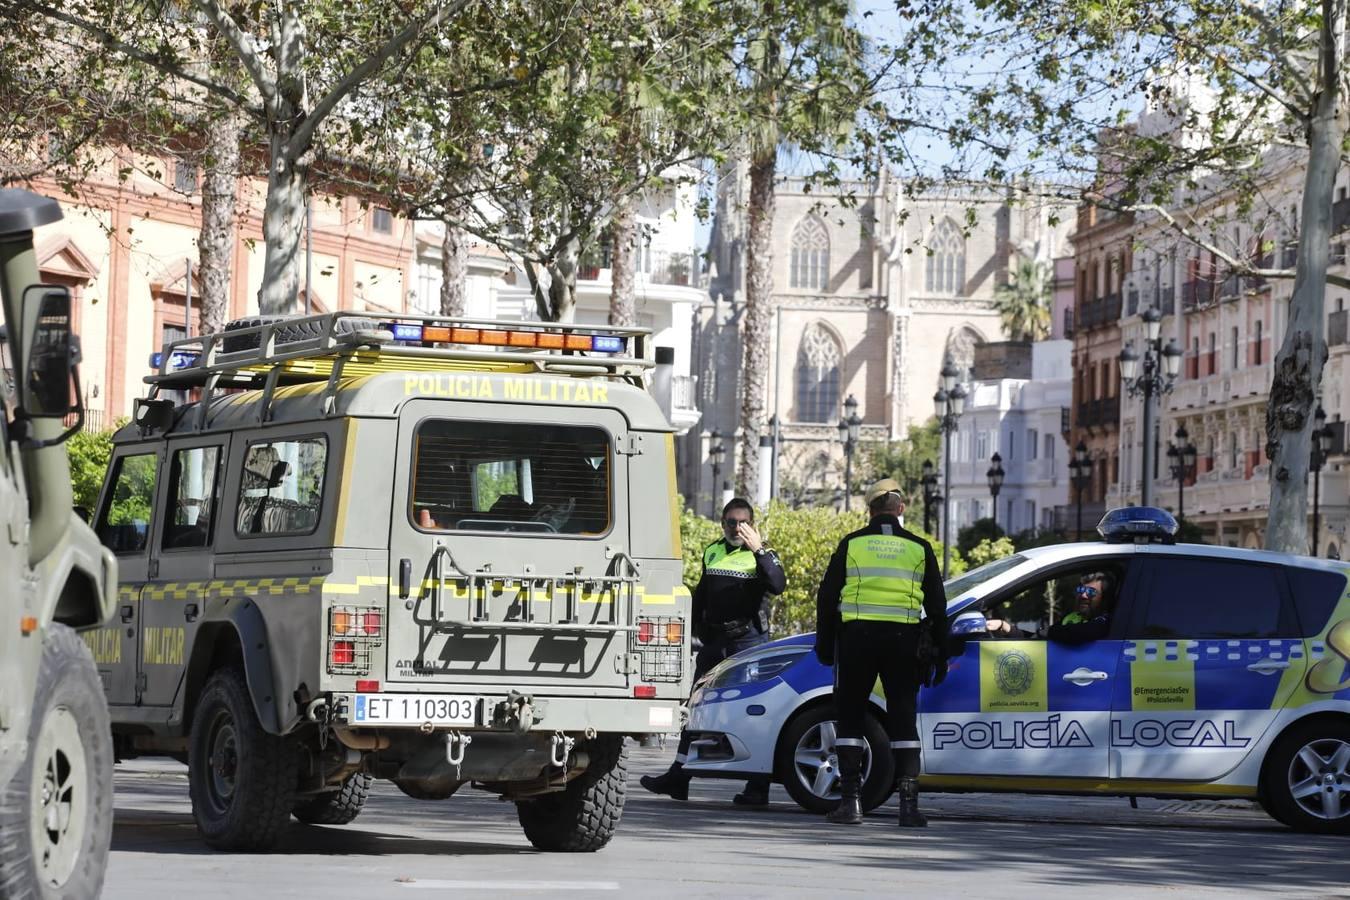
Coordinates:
440	552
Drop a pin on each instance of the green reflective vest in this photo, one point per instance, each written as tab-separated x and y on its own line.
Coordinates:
734	562
883	579
1072	618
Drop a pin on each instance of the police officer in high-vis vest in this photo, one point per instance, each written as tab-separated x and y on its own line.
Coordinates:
739	573
882	587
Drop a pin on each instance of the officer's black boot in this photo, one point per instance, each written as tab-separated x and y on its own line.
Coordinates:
673	782
910	817
849	810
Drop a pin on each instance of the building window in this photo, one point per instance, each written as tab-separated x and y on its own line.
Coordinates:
981	445
1050	447
381	220
184	176
945	271
1033	444
818	376
810	264
1235	347
1232	450
1256	349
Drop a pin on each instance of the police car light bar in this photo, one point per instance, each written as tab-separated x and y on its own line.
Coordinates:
1138	525
518	338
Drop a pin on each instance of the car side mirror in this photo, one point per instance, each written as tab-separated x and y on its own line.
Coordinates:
967	624
50	359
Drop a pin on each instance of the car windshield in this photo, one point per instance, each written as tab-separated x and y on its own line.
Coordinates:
976	577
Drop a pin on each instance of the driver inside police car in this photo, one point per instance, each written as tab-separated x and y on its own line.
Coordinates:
1089	620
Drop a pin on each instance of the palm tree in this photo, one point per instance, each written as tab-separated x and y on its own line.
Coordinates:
1024	301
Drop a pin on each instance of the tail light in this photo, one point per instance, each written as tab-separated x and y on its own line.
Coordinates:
342	622
344	653
644	691
371	623
675	632
645	630
659	644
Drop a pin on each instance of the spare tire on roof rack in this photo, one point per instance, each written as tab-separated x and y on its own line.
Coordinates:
297	328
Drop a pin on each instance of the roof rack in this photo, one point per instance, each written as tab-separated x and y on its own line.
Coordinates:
309	348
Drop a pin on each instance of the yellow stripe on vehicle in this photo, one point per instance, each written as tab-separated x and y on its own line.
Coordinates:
345	491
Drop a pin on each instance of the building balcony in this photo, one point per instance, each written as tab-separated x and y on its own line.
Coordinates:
658	267
1104	413
1240	384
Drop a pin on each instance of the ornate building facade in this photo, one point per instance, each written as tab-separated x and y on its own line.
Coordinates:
872	289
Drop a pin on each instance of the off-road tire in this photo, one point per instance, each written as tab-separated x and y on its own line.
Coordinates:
340	807
247	805
296	331
583	817
877	787
1276	794
68	733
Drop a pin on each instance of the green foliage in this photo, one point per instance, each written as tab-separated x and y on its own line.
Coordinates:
987	551
903	460
804	540
1190	533
976	532
1039	537
1024	302
88	453
134	492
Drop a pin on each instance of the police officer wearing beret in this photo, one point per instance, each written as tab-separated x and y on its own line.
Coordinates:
880	582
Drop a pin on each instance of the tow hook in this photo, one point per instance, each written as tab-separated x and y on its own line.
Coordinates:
456	746
561	748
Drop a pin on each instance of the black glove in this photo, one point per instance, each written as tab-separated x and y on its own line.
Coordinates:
825	653
932	659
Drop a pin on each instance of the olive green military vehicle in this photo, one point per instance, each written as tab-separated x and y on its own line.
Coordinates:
56	752
443	553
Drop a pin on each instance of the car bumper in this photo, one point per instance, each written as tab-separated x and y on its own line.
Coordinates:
734	730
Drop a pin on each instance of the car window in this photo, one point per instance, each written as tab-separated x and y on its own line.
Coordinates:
281	491
1195	599
124	526
1316	593
194	497
976	577
502	476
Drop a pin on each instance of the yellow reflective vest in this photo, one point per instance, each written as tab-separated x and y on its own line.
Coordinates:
883	579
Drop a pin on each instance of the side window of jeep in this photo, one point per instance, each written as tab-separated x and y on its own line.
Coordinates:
281	491
124	526
194	497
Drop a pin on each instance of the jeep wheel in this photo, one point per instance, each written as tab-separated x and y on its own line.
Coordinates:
335	807
584	816
1306	778
808	766
242	779
56	813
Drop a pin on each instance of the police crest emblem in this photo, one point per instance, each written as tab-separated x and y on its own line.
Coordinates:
1014	673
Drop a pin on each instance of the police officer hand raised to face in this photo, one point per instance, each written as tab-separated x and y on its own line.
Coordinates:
739	572
868	625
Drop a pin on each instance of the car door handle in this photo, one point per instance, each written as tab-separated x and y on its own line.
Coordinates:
1083	677
1268	666
128	613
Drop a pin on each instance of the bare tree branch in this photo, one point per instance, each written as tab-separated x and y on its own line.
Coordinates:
245	50
1302	85
304	133
106	38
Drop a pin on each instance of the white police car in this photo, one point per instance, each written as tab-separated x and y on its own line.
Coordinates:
1225	673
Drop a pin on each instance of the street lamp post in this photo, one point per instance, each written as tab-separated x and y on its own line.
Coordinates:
717	453
949	402
1161	365
929	483
1180	464
1080	473
849	427
995	478
1321	446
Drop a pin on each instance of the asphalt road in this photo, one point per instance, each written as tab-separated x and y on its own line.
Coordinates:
998	846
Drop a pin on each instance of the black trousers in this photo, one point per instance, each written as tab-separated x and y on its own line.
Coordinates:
865	652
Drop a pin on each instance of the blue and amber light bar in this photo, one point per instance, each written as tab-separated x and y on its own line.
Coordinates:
516	338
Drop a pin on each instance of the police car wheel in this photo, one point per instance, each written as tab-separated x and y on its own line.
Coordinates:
241	779
1307	777
340	807
582	817
56	812
808	767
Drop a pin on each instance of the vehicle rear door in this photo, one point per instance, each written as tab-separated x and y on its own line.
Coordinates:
184	560
125	525
1212	652
507	566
